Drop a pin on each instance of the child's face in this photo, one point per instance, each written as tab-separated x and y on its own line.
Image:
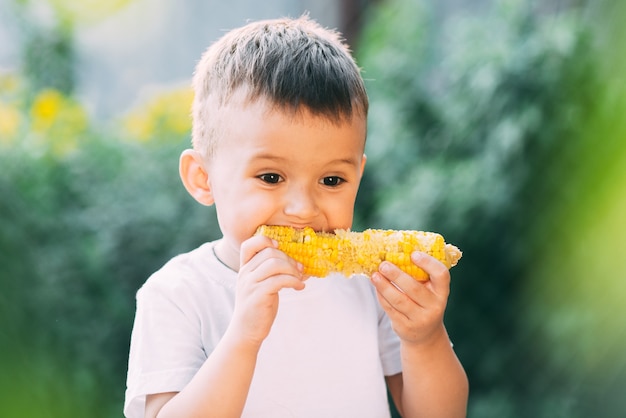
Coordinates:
274	169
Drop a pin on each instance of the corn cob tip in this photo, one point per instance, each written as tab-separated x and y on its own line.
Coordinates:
351	253
453	255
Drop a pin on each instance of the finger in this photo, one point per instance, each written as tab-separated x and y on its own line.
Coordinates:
410	316
404	323
439	274
269	266
393	314
274	284
258	248
278	269
415	290
272	256
394	298
251	247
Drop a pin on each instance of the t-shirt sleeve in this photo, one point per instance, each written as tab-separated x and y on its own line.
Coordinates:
389	345
166	348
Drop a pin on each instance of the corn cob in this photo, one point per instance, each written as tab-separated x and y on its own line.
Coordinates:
351	253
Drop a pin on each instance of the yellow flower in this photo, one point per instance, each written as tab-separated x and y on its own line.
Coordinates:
174	109
46	109
10	120
139	126
9	83
87	11
58	121
166	115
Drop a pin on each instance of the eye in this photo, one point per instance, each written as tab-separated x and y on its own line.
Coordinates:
332	181
271	178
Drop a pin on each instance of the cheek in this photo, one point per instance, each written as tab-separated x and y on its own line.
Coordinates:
339	211
241	210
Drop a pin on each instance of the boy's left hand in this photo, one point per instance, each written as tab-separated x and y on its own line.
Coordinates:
415	308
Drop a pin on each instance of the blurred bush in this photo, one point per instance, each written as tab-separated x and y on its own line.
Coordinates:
87	214
501	131
504	131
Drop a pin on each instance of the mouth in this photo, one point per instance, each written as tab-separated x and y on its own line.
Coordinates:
299	226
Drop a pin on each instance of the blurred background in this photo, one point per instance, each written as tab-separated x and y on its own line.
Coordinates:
500	124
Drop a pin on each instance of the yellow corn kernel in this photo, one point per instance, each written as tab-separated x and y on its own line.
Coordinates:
351	253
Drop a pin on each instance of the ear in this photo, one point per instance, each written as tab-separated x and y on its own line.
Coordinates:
195	176
363	161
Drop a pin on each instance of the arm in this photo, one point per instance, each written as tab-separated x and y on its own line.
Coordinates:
220	387
433	383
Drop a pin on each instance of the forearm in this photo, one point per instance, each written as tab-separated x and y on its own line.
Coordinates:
434	382
220	387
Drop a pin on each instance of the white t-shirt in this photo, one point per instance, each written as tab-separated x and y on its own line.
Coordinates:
326	355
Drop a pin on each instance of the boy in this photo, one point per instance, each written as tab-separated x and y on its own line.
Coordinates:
233	328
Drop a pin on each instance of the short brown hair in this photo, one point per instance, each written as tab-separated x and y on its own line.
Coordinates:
292	63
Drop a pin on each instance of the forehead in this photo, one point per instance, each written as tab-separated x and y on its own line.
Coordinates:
256	117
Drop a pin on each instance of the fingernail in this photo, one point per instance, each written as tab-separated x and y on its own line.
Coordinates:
300	267
416	256
384	267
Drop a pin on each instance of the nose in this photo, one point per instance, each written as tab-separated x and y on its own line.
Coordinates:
301	203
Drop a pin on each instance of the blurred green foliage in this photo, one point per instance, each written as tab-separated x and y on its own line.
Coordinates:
504	131
87	215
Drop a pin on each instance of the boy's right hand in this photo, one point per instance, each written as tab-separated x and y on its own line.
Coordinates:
264	270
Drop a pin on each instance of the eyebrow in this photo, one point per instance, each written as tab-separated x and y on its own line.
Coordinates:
267	156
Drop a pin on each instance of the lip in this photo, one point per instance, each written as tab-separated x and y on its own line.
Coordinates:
302	226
